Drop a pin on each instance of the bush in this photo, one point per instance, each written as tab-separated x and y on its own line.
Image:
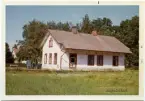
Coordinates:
133	68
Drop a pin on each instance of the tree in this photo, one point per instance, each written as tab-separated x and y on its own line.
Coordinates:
129	30
86	25
79	27
106	21
33	34
66	26
9	57
102	26
52	25
15	46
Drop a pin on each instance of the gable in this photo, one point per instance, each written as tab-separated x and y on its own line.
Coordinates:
55	45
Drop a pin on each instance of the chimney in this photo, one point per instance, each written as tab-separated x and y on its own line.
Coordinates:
94	33
74	30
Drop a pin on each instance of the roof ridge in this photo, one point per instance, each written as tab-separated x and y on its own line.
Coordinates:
79	33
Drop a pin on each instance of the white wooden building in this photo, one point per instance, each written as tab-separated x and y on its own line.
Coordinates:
64	50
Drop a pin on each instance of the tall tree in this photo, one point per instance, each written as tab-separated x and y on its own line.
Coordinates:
107	21
9	57
102	26
66	26
86	24
52	25
33	34
129	30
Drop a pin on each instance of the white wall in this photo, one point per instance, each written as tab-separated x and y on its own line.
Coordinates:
60	54
65	61
82	62
54	49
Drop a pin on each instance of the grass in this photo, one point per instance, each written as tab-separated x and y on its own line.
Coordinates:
72	83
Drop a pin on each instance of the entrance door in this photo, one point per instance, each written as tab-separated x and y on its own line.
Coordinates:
73	61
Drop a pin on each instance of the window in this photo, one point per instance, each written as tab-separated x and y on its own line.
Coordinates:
55	58
115	60
45	58
50	58
90	59
100	60
50	42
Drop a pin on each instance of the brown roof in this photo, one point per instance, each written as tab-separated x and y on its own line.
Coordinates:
85	41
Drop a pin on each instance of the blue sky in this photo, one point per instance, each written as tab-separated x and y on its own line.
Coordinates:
17	16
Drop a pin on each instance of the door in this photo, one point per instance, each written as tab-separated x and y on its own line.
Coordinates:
72	61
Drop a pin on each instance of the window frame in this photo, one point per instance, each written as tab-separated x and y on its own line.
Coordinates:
116	59
100	60
89	61
50	58
45	58
55	59
50	42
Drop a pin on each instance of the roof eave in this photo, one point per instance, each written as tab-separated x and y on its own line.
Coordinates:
44	39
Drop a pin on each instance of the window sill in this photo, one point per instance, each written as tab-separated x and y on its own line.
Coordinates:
99	65
91	65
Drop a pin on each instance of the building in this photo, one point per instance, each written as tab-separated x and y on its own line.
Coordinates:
15	50
64	50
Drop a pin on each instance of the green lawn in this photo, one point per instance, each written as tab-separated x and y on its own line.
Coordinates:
74	83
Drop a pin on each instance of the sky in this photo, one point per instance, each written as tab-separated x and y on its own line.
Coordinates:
18	16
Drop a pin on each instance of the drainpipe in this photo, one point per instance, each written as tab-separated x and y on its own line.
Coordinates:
61	59
61	56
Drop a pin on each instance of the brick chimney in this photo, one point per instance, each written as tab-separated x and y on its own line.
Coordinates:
74	30
94	33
